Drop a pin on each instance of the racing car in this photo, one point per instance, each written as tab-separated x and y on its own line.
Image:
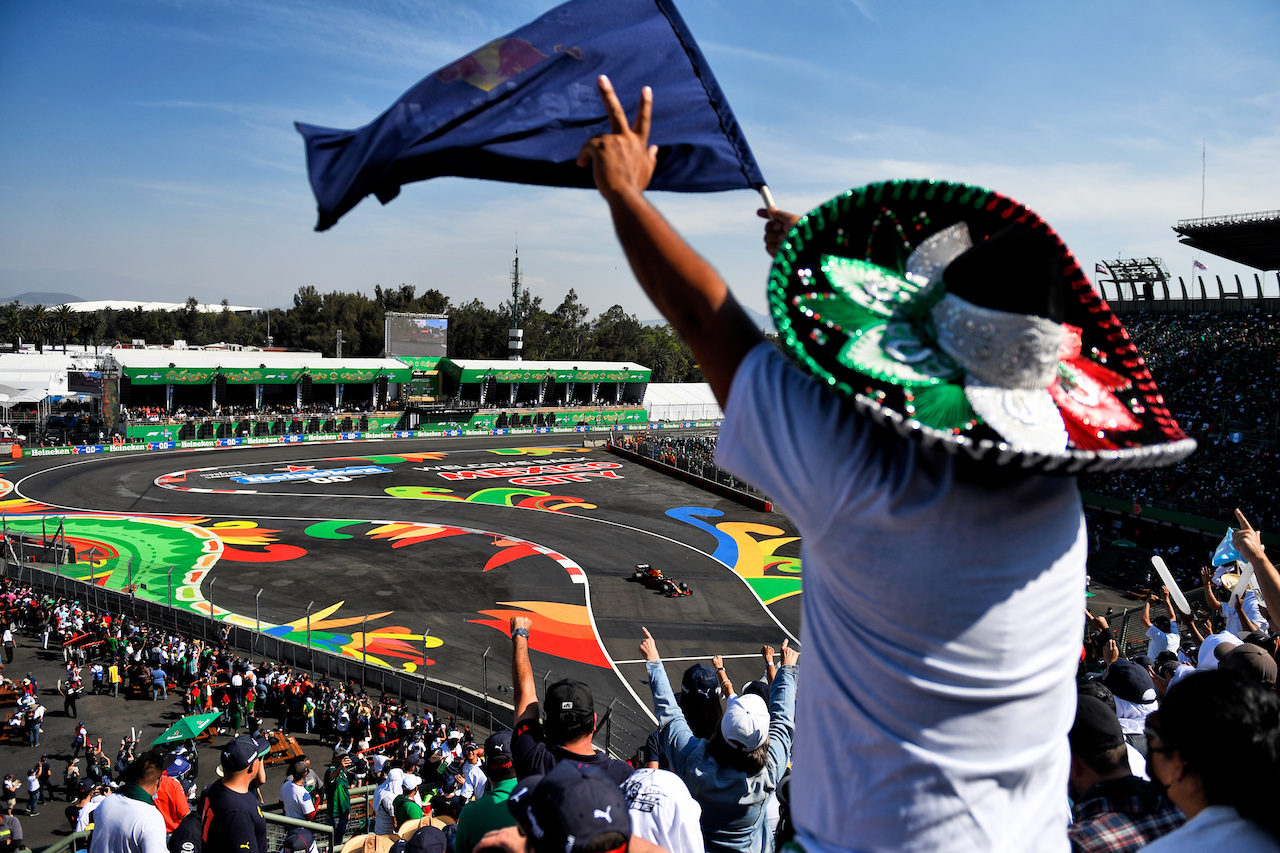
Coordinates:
654	579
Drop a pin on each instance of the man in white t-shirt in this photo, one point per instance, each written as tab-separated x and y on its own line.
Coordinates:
1162	631
941	732
471	780
295	798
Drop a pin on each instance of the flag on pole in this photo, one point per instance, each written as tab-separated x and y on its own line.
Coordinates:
1100	269
1198	265
521	107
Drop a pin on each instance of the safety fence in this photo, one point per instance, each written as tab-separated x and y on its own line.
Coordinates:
473	707
673	457
622	729
328	437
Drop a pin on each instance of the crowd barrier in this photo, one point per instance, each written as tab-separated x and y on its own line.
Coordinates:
622	731
253	441
705	476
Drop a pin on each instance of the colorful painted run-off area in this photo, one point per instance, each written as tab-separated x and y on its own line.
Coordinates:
521	505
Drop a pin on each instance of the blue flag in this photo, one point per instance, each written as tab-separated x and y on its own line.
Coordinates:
520	108
1226	551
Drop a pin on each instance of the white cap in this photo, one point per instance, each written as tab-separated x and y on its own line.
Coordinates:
745	723
411	782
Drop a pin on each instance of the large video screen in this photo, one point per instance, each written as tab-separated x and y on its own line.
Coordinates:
423	335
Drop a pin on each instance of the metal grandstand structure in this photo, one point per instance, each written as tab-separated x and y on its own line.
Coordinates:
1252	239
1144	273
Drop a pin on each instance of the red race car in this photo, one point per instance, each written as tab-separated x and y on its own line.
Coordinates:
654	579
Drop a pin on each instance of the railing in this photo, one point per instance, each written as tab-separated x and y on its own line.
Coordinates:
278	828
622	730
450	699
666	456
1229	219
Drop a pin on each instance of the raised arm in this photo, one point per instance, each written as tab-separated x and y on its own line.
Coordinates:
766	652
1210	600
1146	613
1249	544
683	286
526	692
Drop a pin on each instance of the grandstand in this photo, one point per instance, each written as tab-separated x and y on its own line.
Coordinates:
1216	371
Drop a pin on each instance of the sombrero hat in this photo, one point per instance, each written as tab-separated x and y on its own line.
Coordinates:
957	316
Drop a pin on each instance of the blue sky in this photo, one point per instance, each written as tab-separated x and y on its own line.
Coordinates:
148	152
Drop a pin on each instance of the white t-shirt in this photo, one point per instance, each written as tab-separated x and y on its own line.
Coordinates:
85	816
1162	642
948	730
1208	658
1251	608
297	801
663	811
475	781
122	825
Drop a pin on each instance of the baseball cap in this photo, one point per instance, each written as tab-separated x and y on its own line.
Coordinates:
299	840
1130	682
242	752
745	723
1252	662
573	806
426	839
519	800
177	765
569	703
700	679
411	782
759	687
497	749
1096	727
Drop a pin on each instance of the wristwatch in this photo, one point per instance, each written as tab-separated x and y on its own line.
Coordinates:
520	632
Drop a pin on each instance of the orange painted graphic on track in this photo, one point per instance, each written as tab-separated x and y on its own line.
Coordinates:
563	630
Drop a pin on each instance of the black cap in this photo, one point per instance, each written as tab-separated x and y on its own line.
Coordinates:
1096	728
1130	682
299	840
573	806
426	839
242	752
519	800
700	679
497	749
569	703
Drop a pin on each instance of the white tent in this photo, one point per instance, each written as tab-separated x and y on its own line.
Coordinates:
31	377
681	401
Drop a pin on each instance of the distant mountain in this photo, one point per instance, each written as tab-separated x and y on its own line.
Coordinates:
39	298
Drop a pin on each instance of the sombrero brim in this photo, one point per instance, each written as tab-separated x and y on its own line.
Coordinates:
848	311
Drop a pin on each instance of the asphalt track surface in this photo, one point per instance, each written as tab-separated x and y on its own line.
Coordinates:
602	514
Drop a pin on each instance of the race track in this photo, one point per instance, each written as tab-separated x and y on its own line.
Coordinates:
442	537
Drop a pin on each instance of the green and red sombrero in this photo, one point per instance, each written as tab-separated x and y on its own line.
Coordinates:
957	316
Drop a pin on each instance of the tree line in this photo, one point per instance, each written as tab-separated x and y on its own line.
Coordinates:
476	331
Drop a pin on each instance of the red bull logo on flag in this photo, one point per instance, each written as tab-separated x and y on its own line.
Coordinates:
494	64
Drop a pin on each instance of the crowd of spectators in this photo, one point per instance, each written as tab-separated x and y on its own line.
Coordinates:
692	453
1177	745
1215	371
183	413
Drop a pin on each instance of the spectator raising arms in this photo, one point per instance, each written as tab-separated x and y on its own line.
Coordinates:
732	774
